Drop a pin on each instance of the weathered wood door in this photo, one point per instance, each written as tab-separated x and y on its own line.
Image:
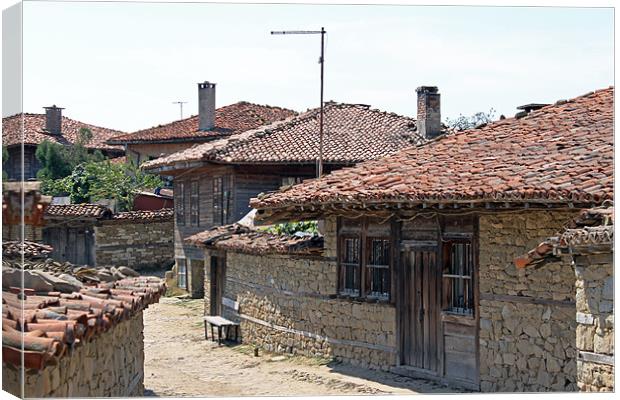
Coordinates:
217	283
421	308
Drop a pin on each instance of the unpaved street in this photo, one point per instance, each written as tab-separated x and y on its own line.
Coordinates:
179	362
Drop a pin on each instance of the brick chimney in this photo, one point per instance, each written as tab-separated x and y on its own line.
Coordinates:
206	106
53	120
429	115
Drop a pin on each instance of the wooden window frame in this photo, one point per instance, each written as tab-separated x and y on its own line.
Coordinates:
221	187
344	265
180	203
364	268
194	198
462	283
183	262
370	267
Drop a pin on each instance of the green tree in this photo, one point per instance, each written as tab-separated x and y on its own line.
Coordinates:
290	228
478	119
54	159
97	180
58	161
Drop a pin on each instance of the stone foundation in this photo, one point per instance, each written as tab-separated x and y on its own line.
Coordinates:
595	322
527	317
110	365
137	245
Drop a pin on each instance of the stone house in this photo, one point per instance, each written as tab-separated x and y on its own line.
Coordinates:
588	243
90	234
83	343
215	181
33	129
208	125
417	274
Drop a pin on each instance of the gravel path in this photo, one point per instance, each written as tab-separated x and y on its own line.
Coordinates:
179	362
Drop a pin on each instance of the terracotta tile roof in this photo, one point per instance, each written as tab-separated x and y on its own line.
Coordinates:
558	154
163	214
593	229
96	211
352	133
54	322
229	119
118	160
34	133
14	249
240	238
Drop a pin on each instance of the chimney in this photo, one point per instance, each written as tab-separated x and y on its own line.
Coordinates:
206	106
53	120
429	116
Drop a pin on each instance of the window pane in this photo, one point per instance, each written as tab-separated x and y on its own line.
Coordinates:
379	267
458	278
350	264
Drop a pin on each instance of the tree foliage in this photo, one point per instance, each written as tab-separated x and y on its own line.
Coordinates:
58	161
478	119
290	228
97	180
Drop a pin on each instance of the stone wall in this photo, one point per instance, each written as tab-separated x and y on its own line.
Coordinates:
595	322
109	365
137	245
527	317
288	304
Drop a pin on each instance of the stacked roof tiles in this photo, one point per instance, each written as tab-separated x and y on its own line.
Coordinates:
15	249
48	324
86	210
592	230
561	153
229	119
163	214
352	133
34	132
246	240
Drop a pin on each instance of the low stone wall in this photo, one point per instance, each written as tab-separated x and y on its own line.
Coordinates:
287	304
110	365
527	317
137	245
595	322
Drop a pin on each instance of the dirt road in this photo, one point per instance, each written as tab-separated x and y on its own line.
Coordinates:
179	362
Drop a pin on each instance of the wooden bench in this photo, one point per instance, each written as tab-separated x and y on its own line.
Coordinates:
221	324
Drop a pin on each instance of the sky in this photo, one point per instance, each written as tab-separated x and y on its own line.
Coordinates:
122	65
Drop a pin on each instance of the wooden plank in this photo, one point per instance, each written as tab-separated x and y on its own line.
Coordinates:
460	343
467	320
458	329
526	299
426	310
461	366
418	329
433	310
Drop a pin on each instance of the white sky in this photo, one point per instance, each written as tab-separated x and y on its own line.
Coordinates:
121	65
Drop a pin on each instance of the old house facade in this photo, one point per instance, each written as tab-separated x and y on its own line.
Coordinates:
33	129
208	125
90	234
215	181
417	272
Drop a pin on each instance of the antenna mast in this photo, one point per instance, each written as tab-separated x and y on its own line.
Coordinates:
180	103
322	32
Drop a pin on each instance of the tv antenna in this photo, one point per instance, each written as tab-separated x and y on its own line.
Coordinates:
322	32
180	103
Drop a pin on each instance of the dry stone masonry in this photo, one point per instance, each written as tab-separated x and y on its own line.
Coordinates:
527	316
110	365
137	244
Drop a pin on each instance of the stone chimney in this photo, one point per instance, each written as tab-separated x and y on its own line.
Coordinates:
206	106
429	115
53	120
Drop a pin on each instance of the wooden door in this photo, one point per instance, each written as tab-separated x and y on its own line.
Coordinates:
421	309
217	281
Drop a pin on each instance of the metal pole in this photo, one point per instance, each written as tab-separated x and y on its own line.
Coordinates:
319	166
320	169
